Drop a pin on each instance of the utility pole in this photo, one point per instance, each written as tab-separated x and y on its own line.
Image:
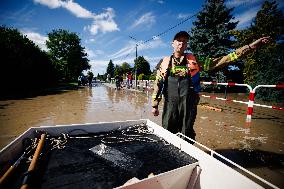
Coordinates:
136	45
136	68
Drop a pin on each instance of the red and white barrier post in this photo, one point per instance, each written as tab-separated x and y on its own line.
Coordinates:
250	106
250	103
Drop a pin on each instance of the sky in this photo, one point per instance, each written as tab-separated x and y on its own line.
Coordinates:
110	29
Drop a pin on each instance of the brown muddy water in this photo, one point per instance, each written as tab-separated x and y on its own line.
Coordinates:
258	147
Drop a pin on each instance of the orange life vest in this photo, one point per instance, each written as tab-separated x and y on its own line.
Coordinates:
192	64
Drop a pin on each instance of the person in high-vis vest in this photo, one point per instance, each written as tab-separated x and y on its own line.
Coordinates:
178	80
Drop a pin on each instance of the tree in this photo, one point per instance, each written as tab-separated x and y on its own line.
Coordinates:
210	35
265	66
23	61
125	67
270	69
142	66
110	68
117	70
67	54
90	74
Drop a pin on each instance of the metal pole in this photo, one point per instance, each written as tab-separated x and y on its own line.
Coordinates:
136	61
136	68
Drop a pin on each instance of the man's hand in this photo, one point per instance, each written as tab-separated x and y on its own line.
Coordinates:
155	111
256	44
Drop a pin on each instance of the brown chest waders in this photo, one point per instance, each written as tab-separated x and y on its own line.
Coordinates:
179	102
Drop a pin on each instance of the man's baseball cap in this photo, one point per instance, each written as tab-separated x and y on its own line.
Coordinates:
181	34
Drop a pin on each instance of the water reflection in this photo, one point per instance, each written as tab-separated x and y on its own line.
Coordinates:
63	108
108	104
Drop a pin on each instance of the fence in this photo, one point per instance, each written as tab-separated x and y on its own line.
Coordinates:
251	100
250	103
148	84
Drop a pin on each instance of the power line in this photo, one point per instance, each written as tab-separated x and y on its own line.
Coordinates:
158	35
169	29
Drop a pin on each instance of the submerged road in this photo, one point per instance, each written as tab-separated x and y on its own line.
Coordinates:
260	147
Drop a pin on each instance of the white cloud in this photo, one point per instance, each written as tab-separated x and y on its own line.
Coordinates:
103	22
237	3
246	17
156	37
98	66
71	6
50	3
76	9
157	43
145	21
153	61
92	54
183	16
37	38
129	48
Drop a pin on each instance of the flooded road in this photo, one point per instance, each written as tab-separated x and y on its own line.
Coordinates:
259	148
85	105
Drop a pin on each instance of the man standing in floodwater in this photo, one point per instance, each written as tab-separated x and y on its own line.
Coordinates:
176	82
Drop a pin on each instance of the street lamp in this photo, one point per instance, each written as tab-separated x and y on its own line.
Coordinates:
136	45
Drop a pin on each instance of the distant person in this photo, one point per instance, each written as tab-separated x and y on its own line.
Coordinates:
180	89
90	79
117	82
108	78
129	80
121	80
79	80
83	80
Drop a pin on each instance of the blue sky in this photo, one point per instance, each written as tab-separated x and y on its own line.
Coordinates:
105	26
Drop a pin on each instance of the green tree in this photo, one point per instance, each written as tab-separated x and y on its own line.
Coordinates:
125	67
110	68
142	66
23	61
67	54
265	66
90	74
210	34
118	70
270	69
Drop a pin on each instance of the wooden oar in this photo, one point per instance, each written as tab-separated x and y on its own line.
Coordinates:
34	161
11	170
5	177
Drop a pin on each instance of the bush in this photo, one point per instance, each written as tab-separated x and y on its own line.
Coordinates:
141	77
152	77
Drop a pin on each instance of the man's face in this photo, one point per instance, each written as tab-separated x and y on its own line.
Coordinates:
180	44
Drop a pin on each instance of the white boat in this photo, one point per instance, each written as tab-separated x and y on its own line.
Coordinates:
206	172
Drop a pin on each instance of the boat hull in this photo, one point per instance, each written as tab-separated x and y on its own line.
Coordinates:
206	173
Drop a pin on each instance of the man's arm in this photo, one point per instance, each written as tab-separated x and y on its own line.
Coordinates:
240	52
156	95
158	85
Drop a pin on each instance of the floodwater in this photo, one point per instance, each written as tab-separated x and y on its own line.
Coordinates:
258	147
